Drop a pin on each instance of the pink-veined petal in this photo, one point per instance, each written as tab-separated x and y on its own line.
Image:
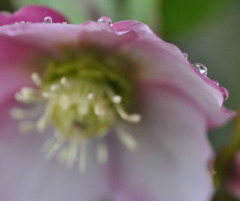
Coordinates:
164	64
171	161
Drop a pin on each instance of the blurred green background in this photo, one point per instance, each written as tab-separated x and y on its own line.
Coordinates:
208	30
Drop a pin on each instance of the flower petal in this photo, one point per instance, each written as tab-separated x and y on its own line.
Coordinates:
171	161
162	61
31	14
15	57
25	175
164	64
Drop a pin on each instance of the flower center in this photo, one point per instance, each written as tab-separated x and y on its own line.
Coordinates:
84	96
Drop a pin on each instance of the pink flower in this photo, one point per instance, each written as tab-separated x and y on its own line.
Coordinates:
116	93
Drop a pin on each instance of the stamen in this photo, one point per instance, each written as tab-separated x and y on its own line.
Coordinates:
90	96
63	156
52	146
116	99
36	79
98	110
73	150
26	126
82	104
133	118
19	114
55	87
28	95
83	156
65	82
42	122
102	152
46	95
126	139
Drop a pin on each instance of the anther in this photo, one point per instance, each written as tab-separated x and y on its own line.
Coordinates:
116	99
27	95
98	110
90	96
36	79
46	94
65	82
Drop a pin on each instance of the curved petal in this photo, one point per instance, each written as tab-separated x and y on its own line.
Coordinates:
171	160
164	64
15	59
25	175
31	44
31	14
165	61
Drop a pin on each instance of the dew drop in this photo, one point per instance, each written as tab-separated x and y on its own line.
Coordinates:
104	19
216	82
201	68
185	55
48	19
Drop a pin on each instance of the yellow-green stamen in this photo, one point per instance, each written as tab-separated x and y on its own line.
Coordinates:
83	96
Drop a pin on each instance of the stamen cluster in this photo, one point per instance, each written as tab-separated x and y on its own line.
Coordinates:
81	98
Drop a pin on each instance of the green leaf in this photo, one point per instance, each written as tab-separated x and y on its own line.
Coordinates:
181	15
70	8
146	11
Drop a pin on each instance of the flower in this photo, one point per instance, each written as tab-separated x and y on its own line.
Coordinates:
99	89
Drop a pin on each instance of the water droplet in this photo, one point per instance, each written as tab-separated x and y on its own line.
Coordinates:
201	68
64	22
48	19
104	19
216	82
22	22
185	55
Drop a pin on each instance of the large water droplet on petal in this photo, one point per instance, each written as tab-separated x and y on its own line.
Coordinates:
104	19
48	19
201	68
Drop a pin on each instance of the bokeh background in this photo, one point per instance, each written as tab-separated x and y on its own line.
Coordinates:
208	30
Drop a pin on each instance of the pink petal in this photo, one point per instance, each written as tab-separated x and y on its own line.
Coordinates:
31	14
31	44
25	175
163	63
15	57
171	162
178	105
